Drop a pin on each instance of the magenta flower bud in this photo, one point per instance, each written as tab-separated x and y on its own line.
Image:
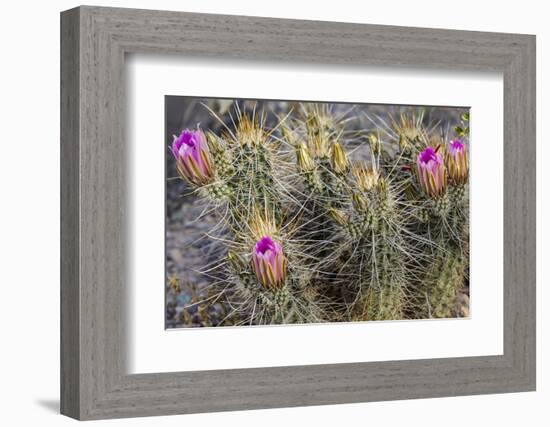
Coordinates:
193	158
431	172
269	262
456	161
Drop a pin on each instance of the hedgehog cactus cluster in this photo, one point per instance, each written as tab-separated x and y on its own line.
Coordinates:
310	233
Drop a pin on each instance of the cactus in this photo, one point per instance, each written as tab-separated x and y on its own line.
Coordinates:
309	234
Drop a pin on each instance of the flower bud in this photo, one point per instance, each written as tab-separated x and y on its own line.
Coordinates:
305	162
360	203
338	216
193	159
404	145
431	172
269	263
367	178
375	145
339	159
456	160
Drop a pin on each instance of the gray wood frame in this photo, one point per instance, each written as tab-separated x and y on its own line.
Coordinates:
94	41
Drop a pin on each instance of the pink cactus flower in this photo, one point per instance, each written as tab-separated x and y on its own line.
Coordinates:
269	262
456	161
193	158
431	172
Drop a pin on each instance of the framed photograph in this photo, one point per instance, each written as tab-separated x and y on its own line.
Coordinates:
262	213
